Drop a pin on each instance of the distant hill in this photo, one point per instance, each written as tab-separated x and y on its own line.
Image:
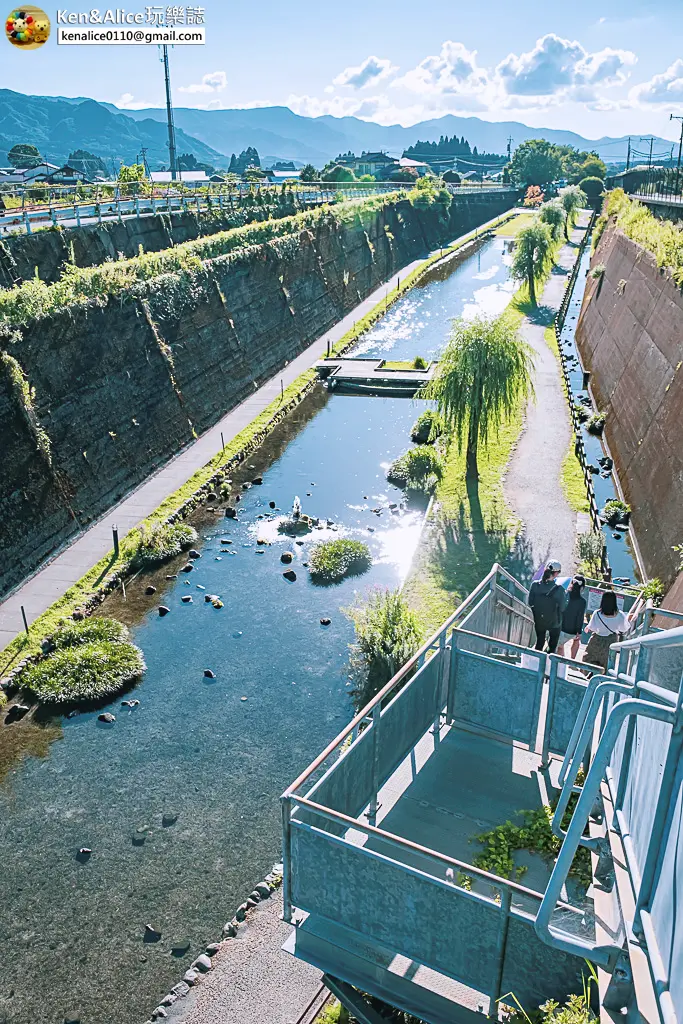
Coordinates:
58	126
279	132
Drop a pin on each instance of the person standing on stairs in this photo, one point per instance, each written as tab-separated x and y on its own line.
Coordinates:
547	600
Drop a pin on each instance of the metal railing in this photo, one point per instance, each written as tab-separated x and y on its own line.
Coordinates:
662	185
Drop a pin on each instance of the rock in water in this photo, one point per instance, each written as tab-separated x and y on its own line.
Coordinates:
202	963
209	673
286	557
150	590
230	512
186	598
271	504
163	610
188	567
169	818
290	575
107	717
325	622
151	934
180	948
193	553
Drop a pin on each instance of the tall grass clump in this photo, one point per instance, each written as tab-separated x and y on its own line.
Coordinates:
158	542
427	427
420	469
387	636
660	237
91	661
332	560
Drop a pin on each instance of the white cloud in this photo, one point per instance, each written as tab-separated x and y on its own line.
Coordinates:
214	81
452	73
312	106
373	69
555	66
127	101
663	90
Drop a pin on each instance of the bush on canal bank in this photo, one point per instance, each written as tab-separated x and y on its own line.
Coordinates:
332	560
89	661
427	427
158	542
387	636
420	469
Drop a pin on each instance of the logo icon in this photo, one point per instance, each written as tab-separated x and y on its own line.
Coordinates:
27	27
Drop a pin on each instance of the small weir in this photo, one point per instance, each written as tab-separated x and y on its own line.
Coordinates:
213	754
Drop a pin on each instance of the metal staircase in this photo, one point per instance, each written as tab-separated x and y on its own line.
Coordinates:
378	872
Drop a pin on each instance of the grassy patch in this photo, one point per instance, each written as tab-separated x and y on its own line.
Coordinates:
419	469
427	427
160	542
332	560
512	228
92	660
573	483
660	237
405	364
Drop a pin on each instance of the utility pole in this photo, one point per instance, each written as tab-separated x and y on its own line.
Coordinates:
144	160
510	141
678	117
650	139
628	154
169	114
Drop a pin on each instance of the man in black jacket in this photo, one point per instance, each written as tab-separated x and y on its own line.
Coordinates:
547	600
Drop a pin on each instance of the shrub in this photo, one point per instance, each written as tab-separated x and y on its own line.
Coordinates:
161	541
332	560
420	469
419	363
663	238
593	187
427	427
90	631
616	511
93	660
387	636
653	590
596	423
598	271
589	547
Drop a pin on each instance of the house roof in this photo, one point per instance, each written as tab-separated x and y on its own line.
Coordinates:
405	161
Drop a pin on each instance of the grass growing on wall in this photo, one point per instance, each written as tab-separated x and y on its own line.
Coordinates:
34	299
22	394
662	238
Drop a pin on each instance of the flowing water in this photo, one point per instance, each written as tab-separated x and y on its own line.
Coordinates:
213	754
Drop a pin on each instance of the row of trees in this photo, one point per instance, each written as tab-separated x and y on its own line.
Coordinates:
537	162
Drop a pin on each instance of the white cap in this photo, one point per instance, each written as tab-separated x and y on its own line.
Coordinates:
555	566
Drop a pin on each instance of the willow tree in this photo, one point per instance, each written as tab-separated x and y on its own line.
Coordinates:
532	255
573	199
483	375
553	215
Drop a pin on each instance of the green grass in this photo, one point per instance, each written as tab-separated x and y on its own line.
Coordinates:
660	237
332	560
419	469
573	483
92	660
400	364
160	542
515	225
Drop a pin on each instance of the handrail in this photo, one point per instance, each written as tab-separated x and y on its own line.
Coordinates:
604	956
400	675
667	638
373	830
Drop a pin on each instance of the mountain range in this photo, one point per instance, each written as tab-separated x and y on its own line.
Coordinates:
61	124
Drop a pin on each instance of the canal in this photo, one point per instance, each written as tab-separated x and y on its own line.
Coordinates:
213	755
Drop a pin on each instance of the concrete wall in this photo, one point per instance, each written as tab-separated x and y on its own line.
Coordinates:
123	385
630	335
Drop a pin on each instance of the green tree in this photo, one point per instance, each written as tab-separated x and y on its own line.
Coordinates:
337	173
483	374
308	173
131	177
532	253
535	162
427	192
367	177
404	174
592	187
552	214
572	198
24	155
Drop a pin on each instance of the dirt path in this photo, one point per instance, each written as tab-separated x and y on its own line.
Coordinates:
532	483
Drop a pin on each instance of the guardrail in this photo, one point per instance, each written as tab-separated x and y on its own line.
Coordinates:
663	185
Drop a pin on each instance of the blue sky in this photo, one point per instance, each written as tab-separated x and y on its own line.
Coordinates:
599	68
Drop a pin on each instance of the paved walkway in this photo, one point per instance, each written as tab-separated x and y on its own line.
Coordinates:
54	578
532	484
252	981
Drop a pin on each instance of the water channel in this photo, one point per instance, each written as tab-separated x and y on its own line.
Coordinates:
214	754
